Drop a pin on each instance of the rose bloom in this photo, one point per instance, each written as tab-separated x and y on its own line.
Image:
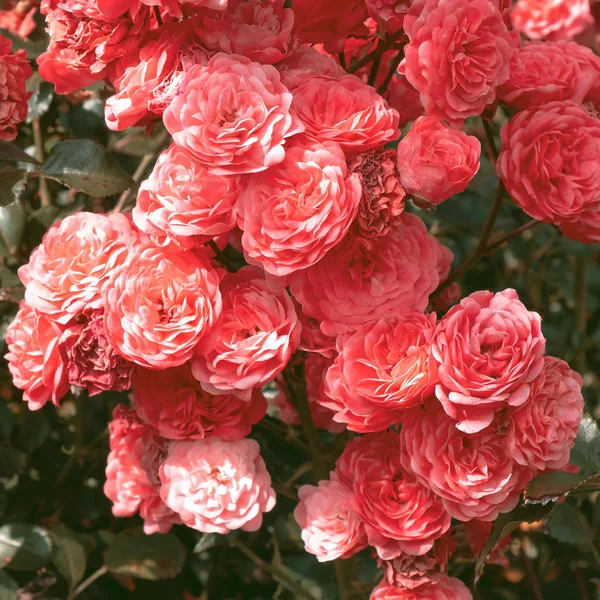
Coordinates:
402	96
161	304
381	369
115	8
261	31
556	20
183	203
436	161
127	484
586	229
457	56
92	363
304	62
545	427
475	474
217	486
176	407
14	71
550	161
81	48
541	72
345	110
315	367
362	280
18	17
232	115
450	296
383	197
312	339
148	77
329	22
254	339
399	514
33	357
78	258
443	588
489	349
299	209
331	528
389	14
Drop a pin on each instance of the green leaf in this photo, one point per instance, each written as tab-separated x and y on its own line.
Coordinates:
85	165
68	554
550	486
12	225
156	556
24	547
12	182
34	430
506	524
12	461
567	524
586	452
12	152
8	587
207	541
40	101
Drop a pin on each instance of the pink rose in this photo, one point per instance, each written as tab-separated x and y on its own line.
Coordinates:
115	8
304	62
329	21
405	99
161	304
14	71
457	55
217	486
172	402
92	363
127	484
545	427
475	474
299	209
345	110
556	20
232	115
183	203
550	161
443	588
261	31
315	367
254	339
331	528
399	513
18	17
383	197
312	339
489	349
381	369
79	258
147	79
82	48
586	229
436	161
543	72
33	357
360	280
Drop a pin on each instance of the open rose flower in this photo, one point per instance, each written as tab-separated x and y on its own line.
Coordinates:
91	362
556	20
399	514
161	304
304	62
33	358
442	588
331	528
298	210
489	349
232	115
14	71
261	31
544	429
550	161
586	229
127	484
381	369
436	161
312	339
345	110
79	257
217	486
18	17
183	203
115	8
541	72
254	339
475	474
172	402
389	14
457	56
361	280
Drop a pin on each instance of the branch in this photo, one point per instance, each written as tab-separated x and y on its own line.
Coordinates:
492	148
103	570
382	47
392	71
509	236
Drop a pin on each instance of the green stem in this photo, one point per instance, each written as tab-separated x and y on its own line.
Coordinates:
103	570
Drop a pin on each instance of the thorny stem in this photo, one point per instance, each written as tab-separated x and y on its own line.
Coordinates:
489	134
38	139
534	584
103	570
391	72
509	236
374	70
384	45
157	15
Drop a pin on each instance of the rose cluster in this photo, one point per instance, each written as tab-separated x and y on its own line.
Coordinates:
274	237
